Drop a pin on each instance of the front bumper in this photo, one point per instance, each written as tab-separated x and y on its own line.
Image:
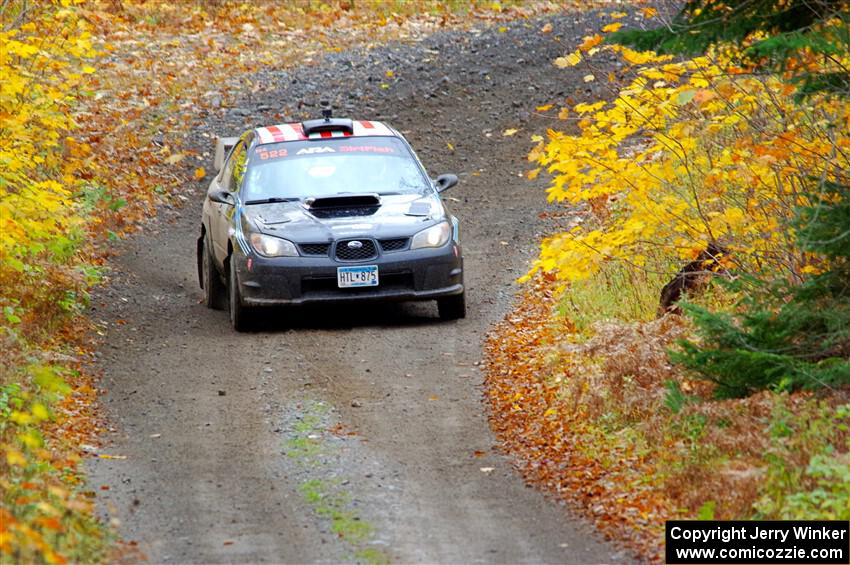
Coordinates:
423	274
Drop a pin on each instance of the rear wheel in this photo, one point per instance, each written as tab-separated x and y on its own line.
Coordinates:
239	314
215	293
452	307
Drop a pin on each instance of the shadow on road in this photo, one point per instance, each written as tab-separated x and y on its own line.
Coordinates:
346	316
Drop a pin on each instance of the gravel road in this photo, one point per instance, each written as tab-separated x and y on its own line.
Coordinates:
354	433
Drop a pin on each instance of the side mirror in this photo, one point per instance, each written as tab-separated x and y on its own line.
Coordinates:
222	146
221	196
445	182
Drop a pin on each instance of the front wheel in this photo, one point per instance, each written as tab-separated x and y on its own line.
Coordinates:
215	293
239	314
452	307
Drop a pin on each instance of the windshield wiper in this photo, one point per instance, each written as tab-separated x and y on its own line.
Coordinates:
272	200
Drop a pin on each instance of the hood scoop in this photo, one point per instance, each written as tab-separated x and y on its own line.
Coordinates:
343	206
344	201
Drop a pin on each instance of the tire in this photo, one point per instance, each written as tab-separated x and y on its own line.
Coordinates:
215	293
240	316
452	307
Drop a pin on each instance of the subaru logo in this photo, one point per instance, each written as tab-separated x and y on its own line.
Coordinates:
355	244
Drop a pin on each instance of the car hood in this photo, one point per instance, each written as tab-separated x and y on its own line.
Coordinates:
396	216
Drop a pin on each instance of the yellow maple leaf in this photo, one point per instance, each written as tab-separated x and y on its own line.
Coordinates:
570	60
612	27
544	108
509	132
200	173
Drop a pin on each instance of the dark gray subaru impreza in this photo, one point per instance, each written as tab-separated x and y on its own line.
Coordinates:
327	210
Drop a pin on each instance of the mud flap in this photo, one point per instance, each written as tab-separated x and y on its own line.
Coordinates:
200	249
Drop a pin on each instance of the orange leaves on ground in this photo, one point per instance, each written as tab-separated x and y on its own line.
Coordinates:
590	42
599	417
558	449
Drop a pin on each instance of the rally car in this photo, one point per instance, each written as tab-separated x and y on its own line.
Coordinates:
326	210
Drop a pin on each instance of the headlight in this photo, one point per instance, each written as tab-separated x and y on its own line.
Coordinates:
272	246
435	236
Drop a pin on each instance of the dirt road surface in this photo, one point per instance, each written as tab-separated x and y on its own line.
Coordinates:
345	433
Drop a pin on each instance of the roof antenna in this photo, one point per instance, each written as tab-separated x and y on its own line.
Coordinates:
327	111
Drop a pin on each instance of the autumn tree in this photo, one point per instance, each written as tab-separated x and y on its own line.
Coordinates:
742	148
782	334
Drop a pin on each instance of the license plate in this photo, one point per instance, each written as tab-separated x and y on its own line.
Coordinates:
350	277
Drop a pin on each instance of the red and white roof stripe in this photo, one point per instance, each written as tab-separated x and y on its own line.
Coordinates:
294	132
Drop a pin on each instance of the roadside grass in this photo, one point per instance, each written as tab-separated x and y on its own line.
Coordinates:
616	294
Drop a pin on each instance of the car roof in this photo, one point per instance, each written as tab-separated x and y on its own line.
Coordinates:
295	132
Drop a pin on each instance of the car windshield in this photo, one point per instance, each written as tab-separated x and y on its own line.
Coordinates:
332	166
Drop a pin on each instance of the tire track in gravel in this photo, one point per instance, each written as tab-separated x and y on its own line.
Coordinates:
216	484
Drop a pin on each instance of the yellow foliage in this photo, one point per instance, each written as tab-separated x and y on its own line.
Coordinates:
42	68
689	153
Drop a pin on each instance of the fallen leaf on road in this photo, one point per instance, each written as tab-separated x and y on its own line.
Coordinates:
570	60
509	132
487	469
106	456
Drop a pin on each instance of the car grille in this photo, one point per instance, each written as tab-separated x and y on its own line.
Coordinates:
315	248
346	253
393	244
